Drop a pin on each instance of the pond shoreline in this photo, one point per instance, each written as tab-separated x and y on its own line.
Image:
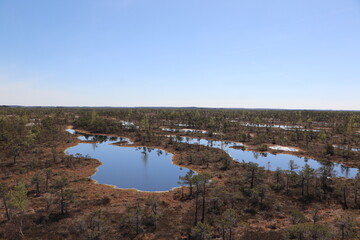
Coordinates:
249	148
174	158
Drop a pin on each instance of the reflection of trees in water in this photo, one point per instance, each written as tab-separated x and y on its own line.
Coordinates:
226	144
223	145
145	155
121	139
179	138
268	166
100	138
95	138
87	137
327	164
113	139
94	145
345	171
326	170
145	151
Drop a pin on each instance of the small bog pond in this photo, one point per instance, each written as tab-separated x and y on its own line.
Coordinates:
144	169
185	130
283	127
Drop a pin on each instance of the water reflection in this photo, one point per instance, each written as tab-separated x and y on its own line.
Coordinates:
149	169
141	168
283	127
347	148
269	161
184	130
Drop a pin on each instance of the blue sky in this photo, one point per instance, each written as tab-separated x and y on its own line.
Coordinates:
254	53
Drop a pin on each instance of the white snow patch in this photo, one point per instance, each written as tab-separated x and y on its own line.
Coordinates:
283	148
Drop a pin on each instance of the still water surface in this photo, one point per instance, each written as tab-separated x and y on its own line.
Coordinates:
140	168
149	169
267	160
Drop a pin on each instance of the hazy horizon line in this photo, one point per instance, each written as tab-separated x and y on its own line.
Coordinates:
184	107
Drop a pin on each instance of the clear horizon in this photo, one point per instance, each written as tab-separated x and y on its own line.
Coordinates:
233	54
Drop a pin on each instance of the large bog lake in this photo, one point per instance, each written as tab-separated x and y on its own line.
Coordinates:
149	169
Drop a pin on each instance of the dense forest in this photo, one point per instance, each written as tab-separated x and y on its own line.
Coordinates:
48	194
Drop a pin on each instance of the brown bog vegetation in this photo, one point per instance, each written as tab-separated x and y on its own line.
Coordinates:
45	194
